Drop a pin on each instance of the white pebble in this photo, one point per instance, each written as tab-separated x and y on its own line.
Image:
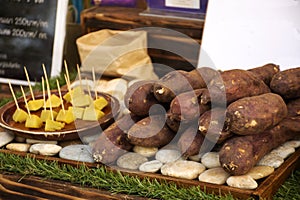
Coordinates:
6	138
242	182
214	175
34	141
22	147
167	155
145	151
211	160
151	166
196	158
293	143
283	151
45	149
131	160
271	160
182	169
258	172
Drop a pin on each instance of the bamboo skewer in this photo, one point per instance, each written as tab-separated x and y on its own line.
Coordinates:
14	96
29	84
67	72
44	95
79	76
25	99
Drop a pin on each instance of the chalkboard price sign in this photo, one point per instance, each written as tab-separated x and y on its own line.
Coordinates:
32	33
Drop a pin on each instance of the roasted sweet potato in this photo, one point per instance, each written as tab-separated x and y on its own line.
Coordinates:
253	115
187	106
139	98
266	72
287	83
113	141
176	82
151	131
239	154
233	85
212	125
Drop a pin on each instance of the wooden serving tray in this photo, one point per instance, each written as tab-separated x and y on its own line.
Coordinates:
266	189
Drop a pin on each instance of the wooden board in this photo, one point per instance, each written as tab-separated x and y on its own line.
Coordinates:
266	189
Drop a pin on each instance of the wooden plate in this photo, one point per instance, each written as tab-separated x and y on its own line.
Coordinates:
69	132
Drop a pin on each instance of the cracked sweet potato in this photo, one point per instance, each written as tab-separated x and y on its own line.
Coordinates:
187	106
266	72
178	81
287	83
253	115
113	141
239	154
233	85
212	125
150	131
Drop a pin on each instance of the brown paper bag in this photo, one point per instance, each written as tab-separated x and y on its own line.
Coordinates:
116	53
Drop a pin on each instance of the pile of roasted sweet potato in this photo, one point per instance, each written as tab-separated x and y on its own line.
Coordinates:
242	113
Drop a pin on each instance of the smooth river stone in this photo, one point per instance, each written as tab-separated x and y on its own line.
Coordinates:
151	166
6	138
197	157
145	151
34	141
167	155
258	172
22	147
182	169
45	149
293	143
131	160
271	160
211	160
214	175
77	152
20	139
242	182
283	151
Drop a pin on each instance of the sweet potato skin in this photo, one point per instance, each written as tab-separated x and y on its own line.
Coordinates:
253	115
113	141
212	125
233	85
287	83
266	72
150	131
293	107
139	98
239	154
187	106
178	81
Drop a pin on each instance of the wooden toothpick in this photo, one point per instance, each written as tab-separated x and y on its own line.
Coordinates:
14	96
25	99
29	84
94	81
44	95
79	76
67	72
48	90
61	99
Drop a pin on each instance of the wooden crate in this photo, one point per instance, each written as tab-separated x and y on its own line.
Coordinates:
265	190
117	18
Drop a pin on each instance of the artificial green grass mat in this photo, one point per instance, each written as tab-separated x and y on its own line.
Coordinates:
116	182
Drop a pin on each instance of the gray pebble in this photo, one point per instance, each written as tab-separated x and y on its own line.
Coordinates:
20	139
45	149
283	151
77	152
167	155
22	147
293	143
6	138
151	166
271	160
242	182
131	160
182	169
214	175
34	141
211	160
